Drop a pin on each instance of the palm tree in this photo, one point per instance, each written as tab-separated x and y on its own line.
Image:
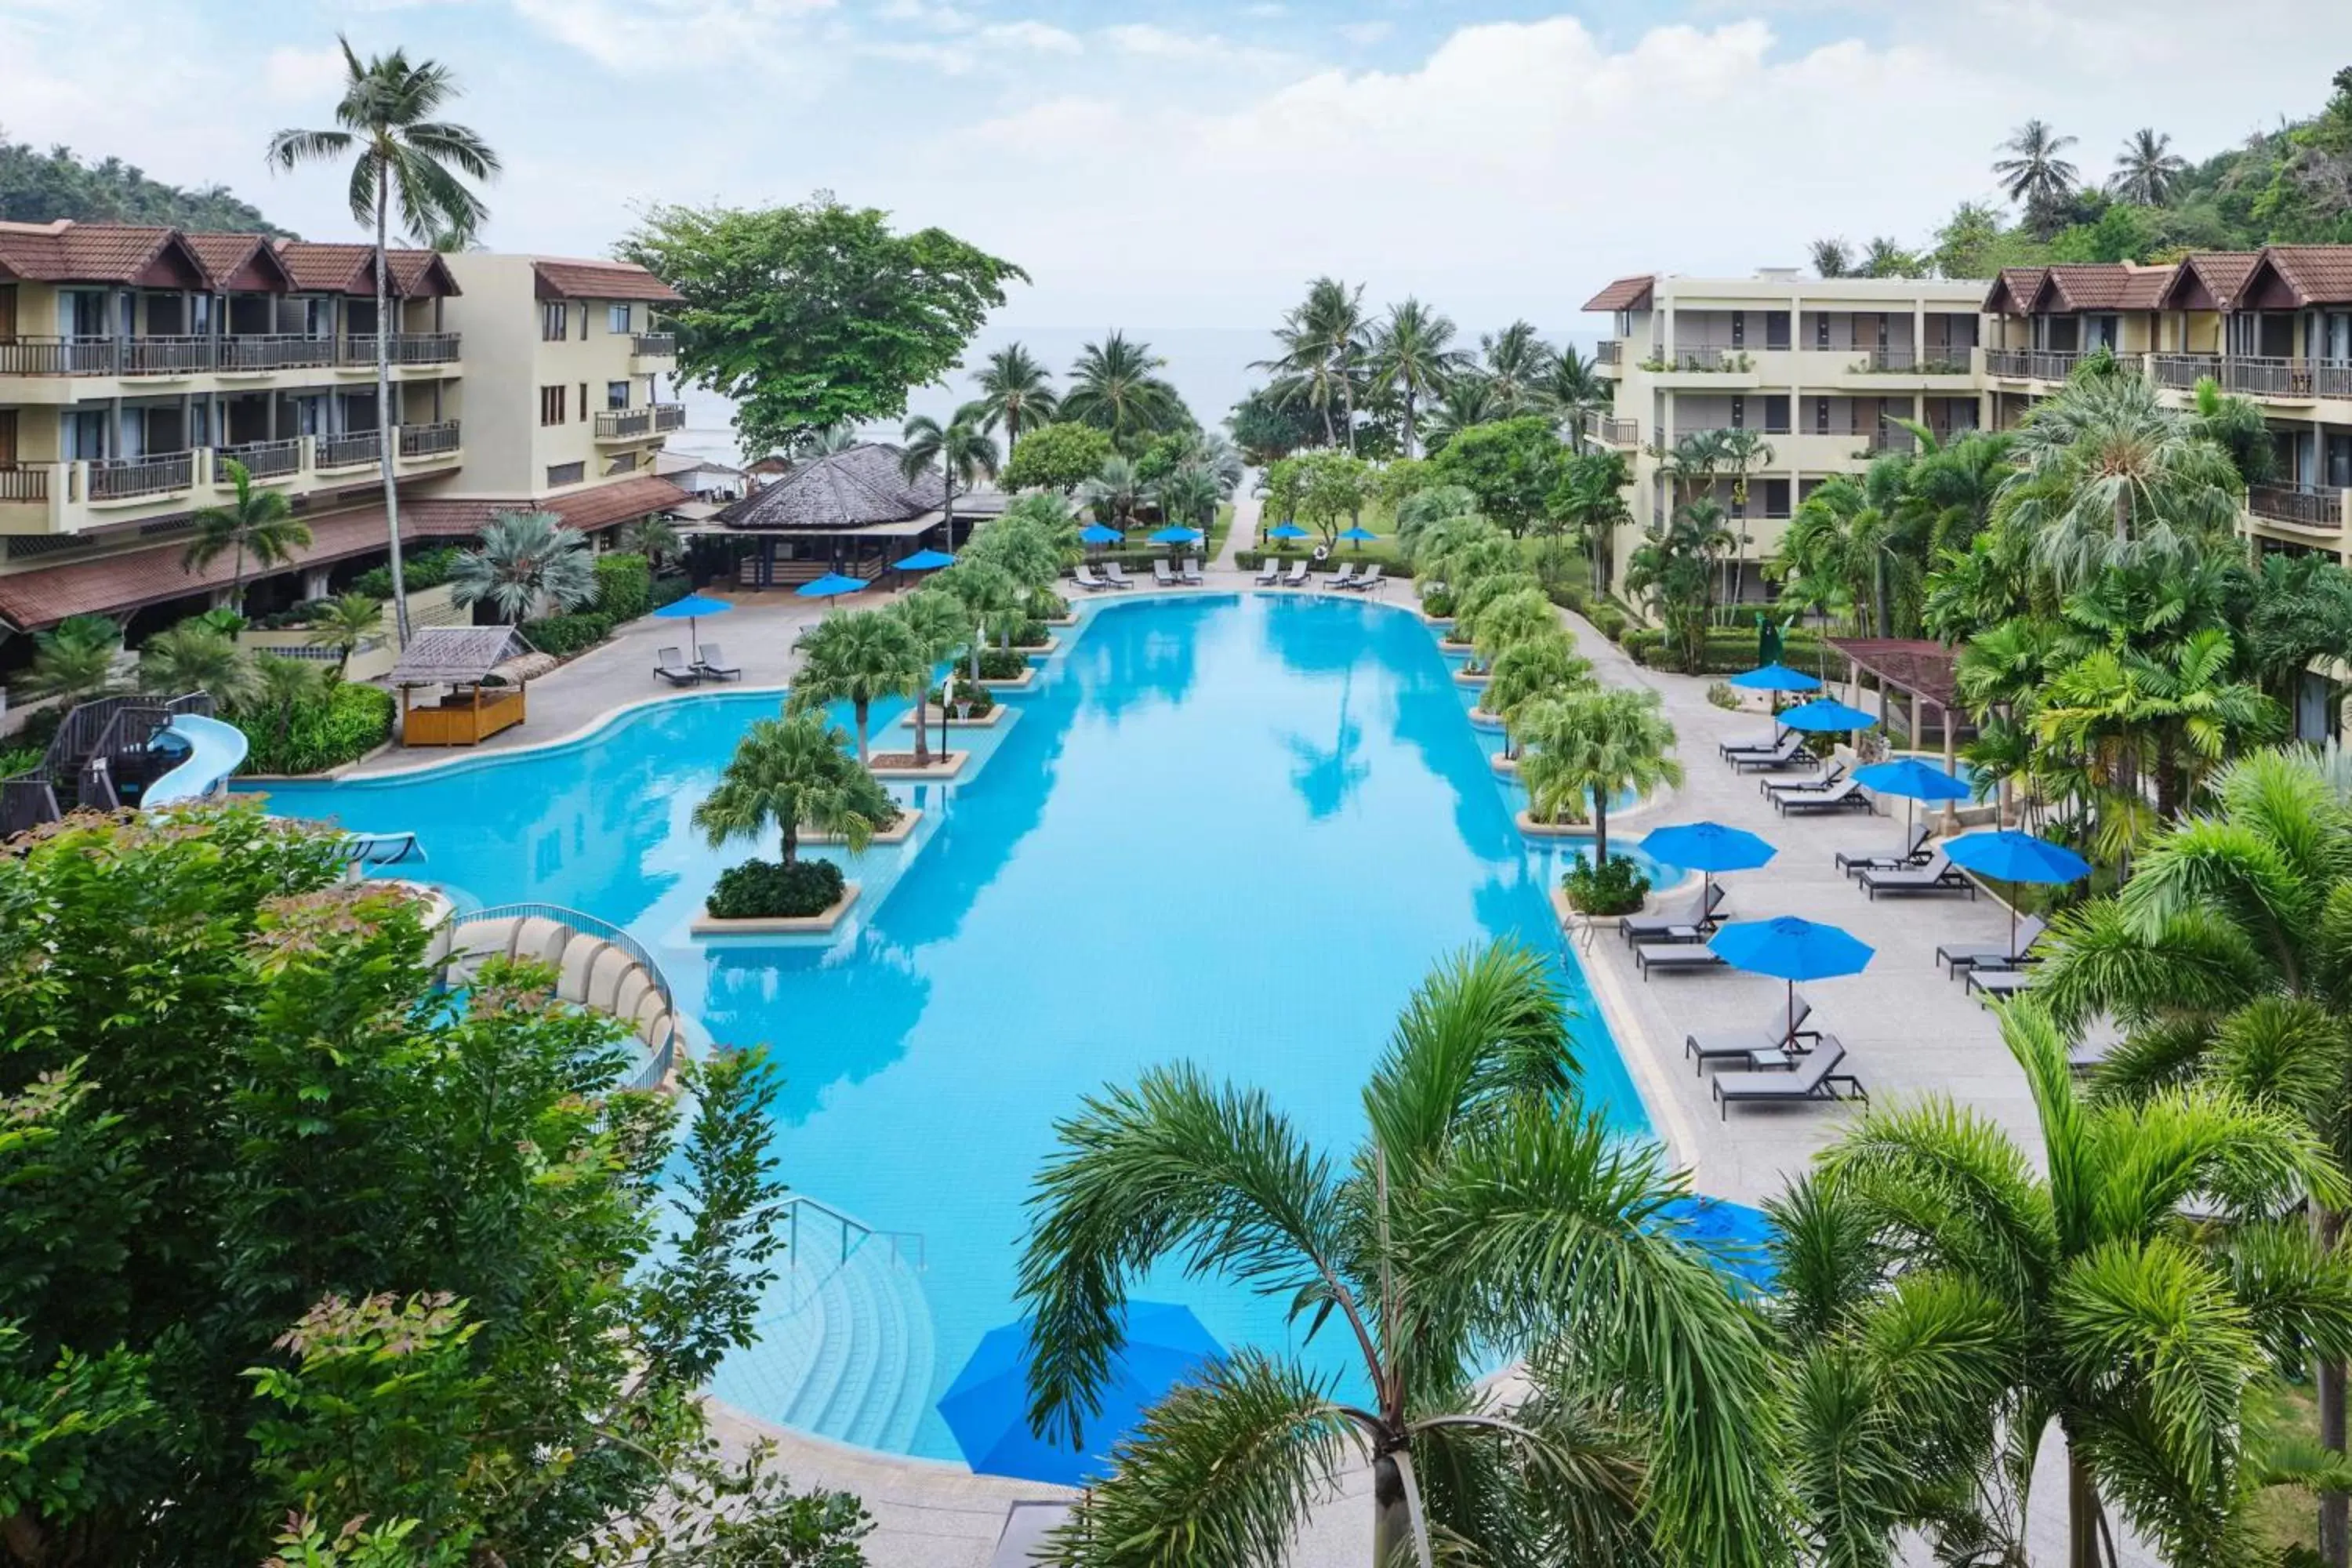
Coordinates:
2146	169
1509	617
2084	1296
653	536
1832	259
343	623
257	523
2033	173
1324	354
964	453
859	658
940	625
1517	365
825	440
1590	502
1114	493
1576	388
529	563
1015	392
192	656
1187	496
1113	388
1886	257
283	688
1486	1212
1410	354
789	773
991	595
401	154
1464	400
1586	747
1530	670
75	660
1674	569
1742	449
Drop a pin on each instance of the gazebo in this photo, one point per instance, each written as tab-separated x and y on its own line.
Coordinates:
852	512
482	671
1923	671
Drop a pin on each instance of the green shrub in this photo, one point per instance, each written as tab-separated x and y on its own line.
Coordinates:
1722	696
1643	645
1568	595
14	759
1003	664
669	590
979	699
563	636
1032	634
1045	605
349	722
625	586
289	619
424	569
1610	622
771	889
1437	604
1614	886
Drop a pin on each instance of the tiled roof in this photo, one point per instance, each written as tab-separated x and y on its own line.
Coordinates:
1625	294
601	280
2318	273
2012	292
2220	274
322	268
45	597
70	252
2103	286
244	261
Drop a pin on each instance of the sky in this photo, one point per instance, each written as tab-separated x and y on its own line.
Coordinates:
1186	164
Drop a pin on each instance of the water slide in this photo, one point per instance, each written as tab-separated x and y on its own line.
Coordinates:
214	751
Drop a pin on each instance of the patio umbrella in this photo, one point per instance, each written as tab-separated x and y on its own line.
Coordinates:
690	610
925	561
1706	848
831	585
1287	531
1178	536
2008	856
987	1406
1359	535
1913	780
1773	677
1789	947
1095	533
1827	715
1736	1238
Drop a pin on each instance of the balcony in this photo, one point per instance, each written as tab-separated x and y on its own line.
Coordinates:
132	479
262	459
348	451
2319	507
624	423
22	484
1933	360
669	416
1624	434
47	504
257	353
57	356
428	440
2184	371
402	350
2033	365
654	346
1612	353
2289	380
244	353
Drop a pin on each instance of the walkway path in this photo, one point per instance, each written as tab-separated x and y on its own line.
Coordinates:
1248	505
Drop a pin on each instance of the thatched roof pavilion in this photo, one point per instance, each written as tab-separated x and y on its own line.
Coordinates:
483	666
853	512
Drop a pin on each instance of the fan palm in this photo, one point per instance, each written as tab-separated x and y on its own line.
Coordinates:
860	659
401	155
653	536
1113	388
1583	748
258	523
2146	169
2034	173
75	660
1486	1212
528	563
940	627
1187	496
1410	354
1114	493
1015	392
1517	365
192	656
789	775
2083	1295
965	454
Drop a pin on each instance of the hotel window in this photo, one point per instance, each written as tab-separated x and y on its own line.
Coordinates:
617	395
1775	495
1820	416
1739	410
617	320
1776	329
554	321
622	463
1776	413
550	404
566	473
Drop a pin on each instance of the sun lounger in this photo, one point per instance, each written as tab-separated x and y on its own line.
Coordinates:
1793	755
2000	984
1084	576
1694	914
1371	579
1815	1077
1650	955
1269	574
2029	931
713	663
1788	745
670	663
1829	775
1192	572
1786	1032
1160	577
1297	577
1116	576
1881	858
1844	795
1345	577
1937	876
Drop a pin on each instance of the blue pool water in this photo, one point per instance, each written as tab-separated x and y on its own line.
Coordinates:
1232	830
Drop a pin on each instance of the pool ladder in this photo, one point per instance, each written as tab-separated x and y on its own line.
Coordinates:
855	1232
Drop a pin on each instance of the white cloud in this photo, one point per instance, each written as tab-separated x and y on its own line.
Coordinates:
1042	36
303	75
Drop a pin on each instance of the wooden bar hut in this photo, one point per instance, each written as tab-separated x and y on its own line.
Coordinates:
482	671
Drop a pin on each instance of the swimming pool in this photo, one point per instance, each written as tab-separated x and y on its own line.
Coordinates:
1232	829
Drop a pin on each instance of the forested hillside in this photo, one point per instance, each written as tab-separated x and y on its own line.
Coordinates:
35	186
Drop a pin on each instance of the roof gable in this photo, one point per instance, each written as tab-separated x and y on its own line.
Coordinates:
558	280
2289	277
2012	292
2209	281
241	263
2101	286
67	251
1625	294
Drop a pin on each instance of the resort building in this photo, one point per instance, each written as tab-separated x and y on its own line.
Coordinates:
136	363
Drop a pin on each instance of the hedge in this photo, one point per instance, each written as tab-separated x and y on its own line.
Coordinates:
563	636
1728	650
771	889
1250	560
625	586
669	590
349	722
425	569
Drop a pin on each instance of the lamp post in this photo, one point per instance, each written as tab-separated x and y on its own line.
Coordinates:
947	698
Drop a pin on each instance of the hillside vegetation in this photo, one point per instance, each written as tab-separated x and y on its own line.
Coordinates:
37	186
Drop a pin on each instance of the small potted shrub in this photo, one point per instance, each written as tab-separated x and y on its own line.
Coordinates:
1614	886
776	889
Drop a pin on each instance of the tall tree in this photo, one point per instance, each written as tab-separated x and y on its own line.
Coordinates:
1116	387
860	658
1831	257
528	563
1015	392
1411	357
1324	354
1486	1210
1589	501
1674	569
792	775
962	450
1517	365
1575	388
2034	173
1744	449
1583	748
2147	170
401	156
259	523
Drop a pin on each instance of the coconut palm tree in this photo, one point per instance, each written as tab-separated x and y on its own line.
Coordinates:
75	660
2068	1287
1583	748
258	523
789	775
343	623
529	565
1517	365
192	656
1576	388
1590	503
942	627
2146	169
401	155
1462	401
1487	1212
1113	388
1832	259
1410	355
1886	257
1325	354
1741	450
2034	174
965	454
860	659
1015	392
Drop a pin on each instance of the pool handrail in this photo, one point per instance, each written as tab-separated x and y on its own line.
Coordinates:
850	1223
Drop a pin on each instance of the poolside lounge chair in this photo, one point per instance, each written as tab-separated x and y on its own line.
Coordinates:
670	663
1852	861
1815	1077
2000	984
1649	955
1345	577
1297	578
1160	577
1825	777
1116	576
1084	576
1844	795
1937	876
1786	1032
1269	574
1371	579
1786	744
2018	954
1695	913
714	664
1192	572
1772	762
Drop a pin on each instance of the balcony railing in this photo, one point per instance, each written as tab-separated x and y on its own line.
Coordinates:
428	440
23	484
1610	351
57	356
166	356
620	424
2298	506
1933	360
402	349
262	459
257	352
349	450
2184	371
2298	379
188	355
124	478
1609	432
1709	357
2033	365
657	345
669	416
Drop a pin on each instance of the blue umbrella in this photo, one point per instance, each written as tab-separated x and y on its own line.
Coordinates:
1178	536
1789	948
1360	534
1912	779
2008	856
1286	531
1095	533
831	585
1774	677
690	610
925	561
1827	715
987	1407
1735	1238
1707	846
